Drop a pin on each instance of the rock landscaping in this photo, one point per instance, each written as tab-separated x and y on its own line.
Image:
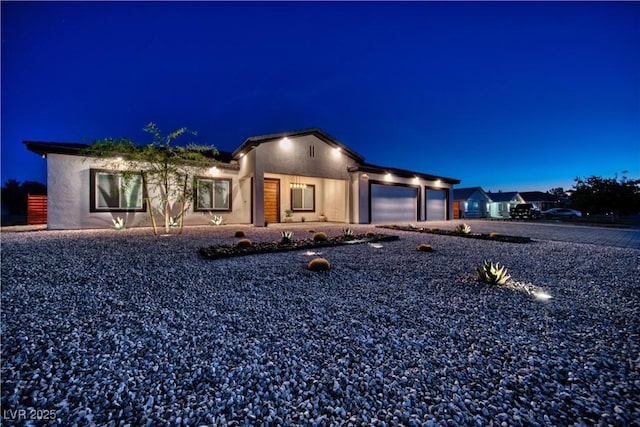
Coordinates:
316	242
117	328
468	234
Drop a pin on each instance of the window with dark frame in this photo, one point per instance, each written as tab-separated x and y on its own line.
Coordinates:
212	194
303	199
115	191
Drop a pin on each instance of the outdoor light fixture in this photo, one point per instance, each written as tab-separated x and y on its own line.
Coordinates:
336	151
387	177
297	184
285	142
213	170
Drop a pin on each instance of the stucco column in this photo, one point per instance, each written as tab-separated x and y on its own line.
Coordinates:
258	198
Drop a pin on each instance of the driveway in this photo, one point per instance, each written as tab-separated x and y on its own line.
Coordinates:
603	236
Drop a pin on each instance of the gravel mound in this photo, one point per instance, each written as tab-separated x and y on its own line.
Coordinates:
116	328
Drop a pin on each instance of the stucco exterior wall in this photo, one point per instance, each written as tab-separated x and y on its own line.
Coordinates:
69	196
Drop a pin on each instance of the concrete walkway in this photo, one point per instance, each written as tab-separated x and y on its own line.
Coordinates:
603	236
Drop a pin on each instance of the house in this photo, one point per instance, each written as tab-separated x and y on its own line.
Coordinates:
307	172
541	201
470	202
501	203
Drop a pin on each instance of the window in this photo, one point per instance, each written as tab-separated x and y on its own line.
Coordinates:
303	199
213	194
116	191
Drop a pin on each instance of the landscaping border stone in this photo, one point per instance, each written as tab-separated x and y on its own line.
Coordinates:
482	236
228	251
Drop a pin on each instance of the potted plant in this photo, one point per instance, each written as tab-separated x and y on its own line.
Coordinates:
288	215
322	217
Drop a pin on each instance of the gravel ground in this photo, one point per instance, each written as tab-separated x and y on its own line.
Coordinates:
116	328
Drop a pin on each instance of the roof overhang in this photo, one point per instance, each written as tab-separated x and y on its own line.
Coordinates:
368	168
254	141
77	149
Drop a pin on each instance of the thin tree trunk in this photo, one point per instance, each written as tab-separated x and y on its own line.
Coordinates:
148	201
184	196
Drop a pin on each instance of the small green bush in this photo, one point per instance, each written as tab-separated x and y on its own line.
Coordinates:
318	264
239	233
369	234
320	237
423	247
243	243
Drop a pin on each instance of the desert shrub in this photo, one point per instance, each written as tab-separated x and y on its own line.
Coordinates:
493	274
369	234
243	243
239	233
493	234
423	247
311	230
318	264
434	229
320	237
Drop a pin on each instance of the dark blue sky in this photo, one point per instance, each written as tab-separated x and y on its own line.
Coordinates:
507	96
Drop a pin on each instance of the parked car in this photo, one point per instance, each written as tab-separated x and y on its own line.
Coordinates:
524	210
561	213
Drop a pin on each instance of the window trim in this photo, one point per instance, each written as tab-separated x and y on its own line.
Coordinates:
196	208
93	202
313	208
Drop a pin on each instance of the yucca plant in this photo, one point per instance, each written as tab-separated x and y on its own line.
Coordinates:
217	220
463	229
173	221
285	237
118	223
493	274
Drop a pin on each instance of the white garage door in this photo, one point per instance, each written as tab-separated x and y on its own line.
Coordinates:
436	205
393	204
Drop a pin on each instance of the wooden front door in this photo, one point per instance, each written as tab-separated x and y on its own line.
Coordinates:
271	200
456	209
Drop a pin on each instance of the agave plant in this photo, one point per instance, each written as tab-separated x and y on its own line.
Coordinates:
217	220
347	233
285	237
173	221
118	223
493	274
463	229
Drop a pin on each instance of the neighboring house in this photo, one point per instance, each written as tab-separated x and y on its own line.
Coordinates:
540	200
307	172
471	202
502	202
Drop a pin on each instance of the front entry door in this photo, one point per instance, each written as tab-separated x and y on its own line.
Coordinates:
271	200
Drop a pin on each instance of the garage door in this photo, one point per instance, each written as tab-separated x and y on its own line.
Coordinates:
393	204
436	205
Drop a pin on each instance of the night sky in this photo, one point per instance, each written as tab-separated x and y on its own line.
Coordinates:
506	96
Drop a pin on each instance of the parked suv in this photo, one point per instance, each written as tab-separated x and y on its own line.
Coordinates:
524	210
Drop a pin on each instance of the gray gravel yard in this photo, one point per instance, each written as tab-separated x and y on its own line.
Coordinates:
116	328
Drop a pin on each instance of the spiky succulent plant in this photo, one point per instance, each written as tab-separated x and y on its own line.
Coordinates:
493	274
118	223
285	236
217	220
347	233
173	221
463	228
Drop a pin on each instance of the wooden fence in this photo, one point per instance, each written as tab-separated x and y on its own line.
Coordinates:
36	209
